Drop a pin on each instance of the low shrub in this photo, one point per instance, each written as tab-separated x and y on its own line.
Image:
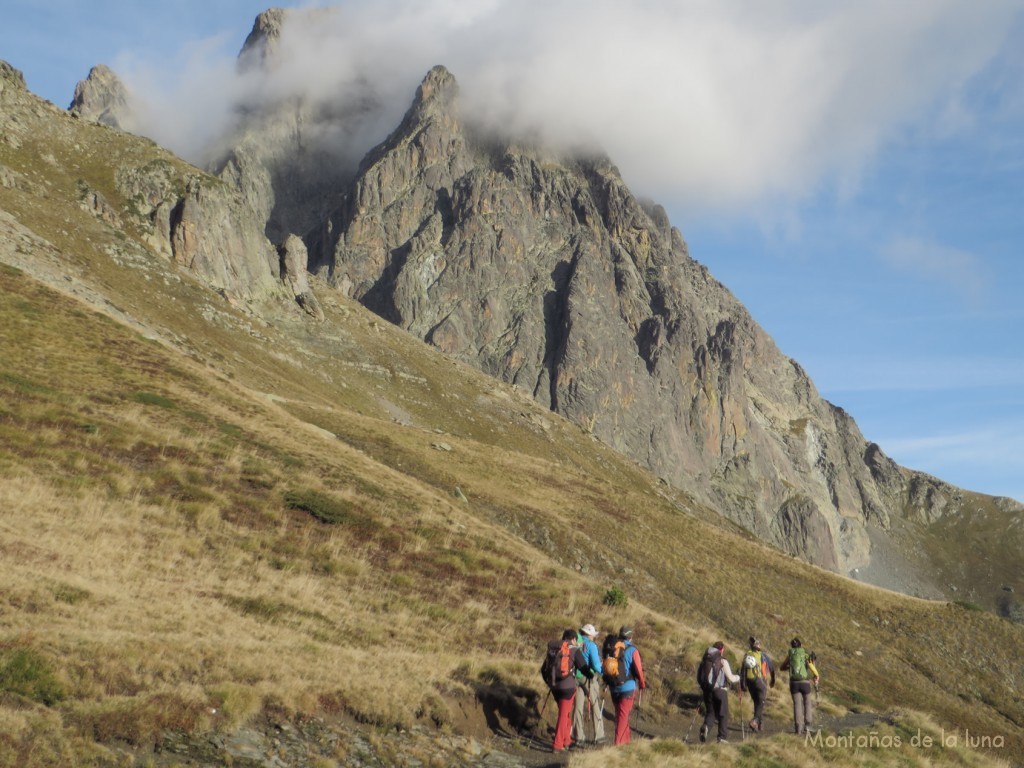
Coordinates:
616	598
27	673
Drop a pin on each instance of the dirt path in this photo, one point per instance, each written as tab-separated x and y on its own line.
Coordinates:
533	750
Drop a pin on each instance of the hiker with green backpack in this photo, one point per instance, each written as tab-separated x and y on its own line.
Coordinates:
802	673
562	660
757	676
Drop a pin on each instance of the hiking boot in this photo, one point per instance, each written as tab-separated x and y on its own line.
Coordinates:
754	725
703	734
723	741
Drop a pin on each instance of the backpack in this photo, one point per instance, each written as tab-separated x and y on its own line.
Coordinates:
753	665
709	670
614	663
798	664
558	662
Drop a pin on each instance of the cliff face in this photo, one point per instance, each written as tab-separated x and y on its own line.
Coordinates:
289	156
544	270
548	273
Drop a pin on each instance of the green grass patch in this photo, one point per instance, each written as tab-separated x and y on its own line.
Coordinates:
26	386
65	593
326	509
332	510
26	672
273	611
150	398
669	748
967	606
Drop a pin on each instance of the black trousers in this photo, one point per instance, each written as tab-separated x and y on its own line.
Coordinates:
758	693
716	708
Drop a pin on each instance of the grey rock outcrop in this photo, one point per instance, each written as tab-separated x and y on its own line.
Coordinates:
203	225
103	98
12	83
214	234
548	273
294	272
260	47
289	157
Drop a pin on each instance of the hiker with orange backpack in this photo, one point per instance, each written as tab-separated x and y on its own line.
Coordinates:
559	672
802	673
757	676
624	674
589	702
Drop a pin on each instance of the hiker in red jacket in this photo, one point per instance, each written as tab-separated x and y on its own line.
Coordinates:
559	672
623	693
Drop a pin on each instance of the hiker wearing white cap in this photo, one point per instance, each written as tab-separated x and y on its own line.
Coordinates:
589	704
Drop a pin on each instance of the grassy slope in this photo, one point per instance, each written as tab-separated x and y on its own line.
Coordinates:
163	558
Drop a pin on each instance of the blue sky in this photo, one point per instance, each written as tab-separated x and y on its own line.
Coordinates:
852	171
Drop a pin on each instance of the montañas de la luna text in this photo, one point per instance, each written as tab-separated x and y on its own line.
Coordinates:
876	740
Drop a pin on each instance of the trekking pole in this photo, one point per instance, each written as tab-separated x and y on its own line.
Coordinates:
590	713
696	714
639	701
632	716
540	719
743	719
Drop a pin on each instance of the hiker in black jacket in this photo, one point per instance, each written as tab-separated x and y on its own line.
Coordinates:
714	676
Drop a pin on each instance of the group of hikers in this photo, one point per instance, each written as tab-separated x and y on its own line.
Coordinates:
576	671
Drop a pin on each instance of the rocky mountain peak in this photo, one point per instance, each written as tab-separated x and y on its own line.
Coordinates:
9	74
103	98
437	93
545	271
431	121
261	44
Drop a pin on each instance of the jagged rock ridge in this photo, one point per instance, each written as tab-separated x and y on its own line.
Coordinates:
547	272
290	157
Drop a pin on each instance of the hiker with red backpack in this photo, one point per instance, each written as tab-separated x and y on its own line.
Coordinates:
624	674
802	673
757	675
714	676
559	672
589	694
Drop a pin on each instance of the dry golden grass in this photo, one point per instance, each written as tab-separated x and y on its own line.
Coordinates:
161	552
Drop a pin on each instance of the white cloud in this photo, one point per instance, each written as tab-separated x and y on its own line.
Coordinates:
835	375
712	104
992	452
962	271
